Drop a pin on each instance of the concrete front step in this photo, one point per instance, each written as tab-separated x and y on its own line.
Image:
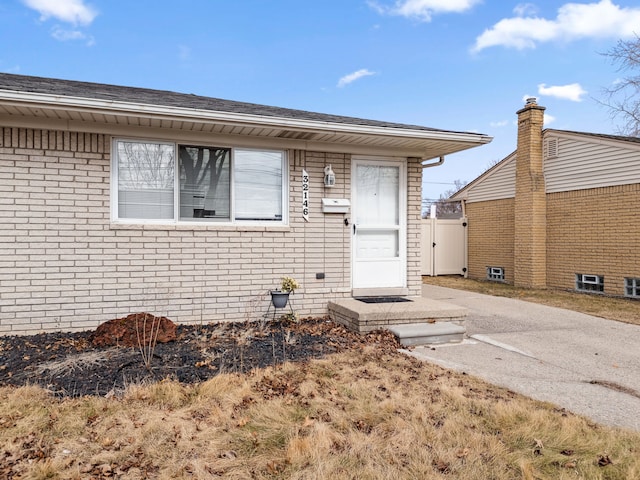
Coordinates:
365	317
413	334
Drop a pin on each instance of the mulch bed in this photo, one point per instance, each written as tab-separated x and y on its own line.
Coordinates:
69	365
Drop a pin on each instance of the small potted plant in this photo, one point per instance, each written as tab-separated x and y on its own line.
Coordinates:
279	298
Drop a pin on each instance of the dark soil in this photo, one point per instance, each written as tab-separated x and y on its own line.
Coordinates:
69	365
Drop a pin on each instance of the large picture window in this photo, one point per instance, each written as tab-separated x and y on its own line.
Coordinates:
167	182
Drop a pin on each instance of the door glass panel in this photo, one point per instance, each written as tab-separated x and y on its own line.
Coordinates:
378	193
377	244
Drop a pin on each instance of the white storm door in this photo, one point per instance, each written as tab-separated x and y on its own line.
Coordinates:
379	225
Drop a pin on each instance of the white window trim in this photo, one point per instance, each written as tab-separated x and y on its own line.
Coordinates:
590	279
495	274
634	284
176	206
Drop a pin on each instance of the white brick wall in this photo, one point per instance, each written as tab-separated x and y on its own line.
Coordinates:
63	266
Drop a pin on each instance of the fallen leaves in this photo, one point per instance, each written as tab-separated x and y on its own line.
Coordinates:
60	361
441	466
22	451
604	460
538	448
463	453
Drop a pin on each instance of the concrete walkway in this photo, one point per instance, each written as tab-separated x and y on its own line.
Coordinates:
585	364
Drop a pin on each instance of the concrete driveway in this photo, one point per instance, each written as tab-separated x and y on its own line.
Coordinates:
585	364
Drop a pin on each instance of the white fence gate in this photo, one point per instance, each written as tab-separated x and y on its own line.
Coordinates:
444	246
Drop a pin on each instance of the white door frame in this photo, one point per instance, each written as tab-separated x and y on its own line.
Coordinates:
399	264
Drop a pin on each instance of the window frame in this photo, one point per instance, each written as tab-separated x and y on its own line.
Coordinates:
114	197
632	287
597	282
495	274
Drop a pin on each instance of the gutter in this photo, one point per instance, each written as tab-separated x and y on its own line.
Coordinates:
40	100
433	164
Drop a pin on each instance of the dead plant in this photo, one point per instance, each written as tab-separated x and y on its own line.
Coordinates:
147	346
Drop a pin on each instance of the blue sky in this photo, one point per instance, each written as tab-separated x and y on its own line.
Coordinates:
464	65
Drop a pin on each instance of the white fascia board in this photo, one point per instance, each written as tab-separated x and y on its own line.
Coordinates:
116	107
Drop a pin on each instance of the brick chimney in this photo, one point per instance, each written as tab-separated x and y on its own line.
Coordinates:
530	262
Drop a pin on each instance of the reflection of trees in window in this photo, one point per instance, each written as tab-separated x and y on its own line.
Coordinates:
145	166
147	182
201	167
204	182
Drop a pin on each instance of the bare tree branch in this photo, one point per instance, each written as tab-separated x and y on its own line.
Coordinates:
623	97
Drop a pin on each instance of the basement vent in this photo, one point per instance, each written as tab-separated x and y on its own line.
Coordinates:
495	274
589	283
550	148
382	299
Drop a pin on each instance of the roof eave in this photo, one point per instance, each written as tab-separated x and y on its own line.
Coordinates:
49	101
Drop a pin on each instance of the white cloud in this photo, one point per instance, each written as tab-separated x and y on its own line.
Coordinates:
502	123
423	10
63	35
352	77
70	11
525	9
573	91
603	19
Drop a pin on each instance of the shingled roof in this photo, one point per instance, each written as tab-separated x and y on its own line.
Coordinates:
117	110
605	136
100	91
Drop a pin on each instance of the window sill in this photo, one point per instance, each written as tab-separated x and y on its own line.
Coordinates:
184	227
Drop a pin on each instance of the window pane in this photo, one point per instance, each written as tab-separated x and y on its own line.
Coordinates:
204	183
145	180
258	185
378	188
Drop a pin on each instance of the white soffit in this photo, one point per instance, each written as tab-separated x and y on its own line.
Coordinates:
76	113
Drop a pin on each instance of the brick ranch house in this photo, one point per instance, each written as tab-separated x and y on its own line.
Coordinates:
117	200
561	211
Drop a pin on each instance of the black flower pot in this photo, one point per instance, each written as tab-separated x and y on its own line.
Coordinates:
279	299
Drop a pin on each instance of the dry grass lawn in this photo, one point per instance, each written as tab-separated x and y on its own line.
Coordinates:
367	413
614	308
363	414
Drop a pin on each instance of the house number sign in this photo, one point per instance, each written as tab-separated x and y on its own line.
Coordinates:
305	195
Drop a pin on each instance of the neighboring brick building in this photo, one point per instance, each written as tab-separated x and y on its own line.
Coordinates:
116	200
561	211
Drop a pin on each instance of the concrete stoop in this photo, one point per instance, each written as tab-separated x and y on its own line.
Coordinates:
415	334
421	321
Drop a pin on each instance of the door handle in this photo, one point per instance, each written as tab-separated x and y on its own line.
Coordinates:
354	228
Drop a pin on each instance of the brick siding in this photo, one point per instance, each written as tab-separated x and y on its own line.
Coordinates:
64	266
594	231
490	237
